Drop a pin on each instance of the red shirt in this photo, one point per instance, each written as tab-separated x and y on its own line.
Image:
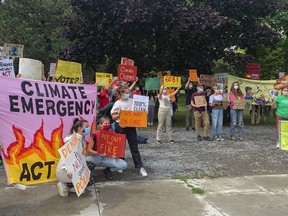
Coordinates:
202	108
104	98
136	93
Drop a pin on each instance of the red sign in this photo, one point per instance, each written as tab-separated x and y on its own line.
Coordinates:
111	144
127	73
253	71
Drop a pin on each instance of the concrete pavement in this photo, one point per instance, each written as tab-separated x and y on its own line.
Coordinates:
241	196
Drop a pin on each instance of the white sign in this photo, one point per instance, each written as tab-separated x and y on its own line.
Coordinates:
140	103
30	69
13	50
7	68
52	70
75	162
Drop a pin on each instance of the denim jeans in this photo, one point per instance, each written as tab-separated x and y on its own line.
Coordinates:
113	163
217	121
151	111
236	117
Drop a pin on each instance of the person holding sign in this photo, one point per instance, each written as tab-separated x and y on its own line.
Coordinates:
125	103
236	114
64	186
281	103
164	113
111	164
190	118
216	103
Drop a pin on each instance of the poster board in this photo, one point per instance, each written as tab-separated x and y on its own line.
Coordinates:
161	75
242	104
220	105
193	75
68	72
7	68
172	81
207	80
127	73
283	135
221	78
140	103
52	70
75	161
13	50
152	83
111	144
136	119
253	71
200	101
103	79
30	69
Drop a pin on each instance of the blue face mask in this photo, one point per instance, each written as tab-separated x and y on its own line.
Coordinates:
86	131
126	96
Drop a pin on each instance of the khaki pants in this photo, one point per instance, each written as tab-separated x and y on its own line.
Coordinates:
190	119
164	116
199	118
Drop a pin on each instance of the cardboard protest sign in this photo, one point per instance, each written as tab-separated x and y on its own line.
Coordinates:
7	68
133	119
200	100
243	104
52	70
152	83
221	78
127	61
13	50
71	154
68	72
127	73
193	75
140	103
30	69
35	116
221	105
207	80
171	91
103	79
172	81
253	71
111	144
283	135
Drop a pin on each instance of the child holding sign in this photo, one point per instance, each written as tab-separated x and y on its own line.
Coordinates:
111	164
125	103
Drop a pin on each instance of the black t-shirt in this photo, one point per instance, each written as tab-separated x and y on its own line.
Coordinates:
189	93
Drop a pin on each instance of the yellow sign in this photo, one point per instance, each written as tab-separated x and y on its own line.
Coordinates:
133	119
103	79
172	81
68	72
193	75
283	135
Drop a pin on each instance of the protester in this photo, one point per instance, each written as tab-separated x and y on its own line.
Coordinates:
64	186
151	107
209	109
137	91
190	119
125	103
236	115
164	113
255	109
111	164
281	104
104	95
217	113
201	114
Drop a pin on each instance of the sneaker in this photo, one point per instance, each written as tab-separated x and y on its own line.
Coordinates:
63	189
187	128
108	173
149	124
220	138
171	141
232	138
158	142
120	171
208	138
278	144
241	138
199	138
215	138
143	172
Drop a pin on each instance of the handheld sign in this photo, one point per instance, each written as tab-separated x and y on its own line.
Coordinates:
30	69
103	79
71	154
126	61
207	80
193	75
172	81
127	73
111	144
239	104
152	83
140	103
7	68
283	135
52	70
221	105
13	50
200	101
68	72
133	119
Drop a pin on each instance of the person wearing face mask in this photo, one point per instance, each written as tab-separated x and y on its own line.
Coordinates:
281	103
236	115
111	164
190	119
201	114
216	113
64	186
137	91
164	113
125	103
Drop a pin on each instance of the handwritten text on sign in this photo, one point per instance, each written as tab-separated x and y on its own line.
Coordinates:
172	81
111	144
193	75
7	68
140	103
76	164
127	73
68	72
103	79
133	119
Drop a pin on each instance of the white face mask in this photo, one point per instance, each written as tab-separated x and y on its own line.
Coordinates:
164	91
190	86
137	88
200	89
217	91
236	86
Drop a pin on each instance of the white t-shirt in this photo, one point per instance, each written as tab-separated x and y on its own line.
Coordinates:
164	101
121	105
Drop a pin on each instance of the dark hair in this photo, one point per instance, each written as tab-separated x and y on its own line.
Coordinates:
121	90
76	124
102	119
115	96
151	94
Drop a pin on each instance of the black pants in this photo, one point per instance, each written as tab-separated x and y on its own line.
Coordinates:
131	136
